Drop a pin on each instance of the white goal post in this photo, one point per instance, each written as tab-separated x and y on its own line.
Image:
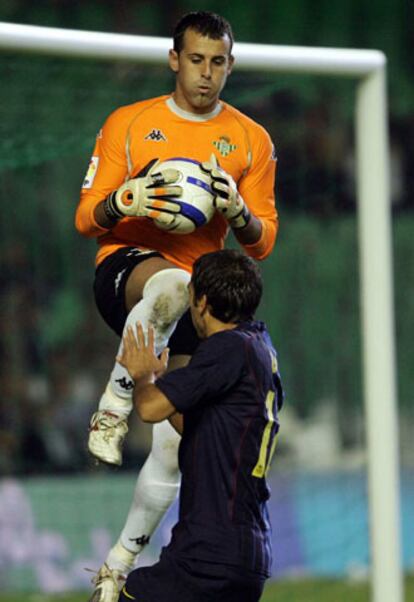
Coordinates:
374	230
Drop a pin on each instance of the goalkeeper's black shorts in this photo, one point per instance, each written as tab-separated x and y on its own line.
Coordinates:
171	580
109	287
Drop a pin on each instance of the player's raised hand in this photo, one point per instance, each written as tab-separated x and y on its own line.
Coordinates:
147	194
227	200
138	354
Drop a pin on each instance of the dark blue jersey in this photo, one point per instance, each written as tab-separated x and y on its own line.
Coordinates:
229	395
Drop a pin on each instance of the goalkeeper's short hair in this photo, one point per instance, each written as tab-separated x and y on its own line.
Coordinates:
205	23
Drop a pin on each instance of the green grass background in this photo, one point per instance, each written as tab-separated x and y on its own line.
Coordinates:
281	591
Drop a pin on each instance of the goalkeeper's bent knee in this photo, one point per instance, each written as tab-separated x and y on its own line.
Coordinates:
172	281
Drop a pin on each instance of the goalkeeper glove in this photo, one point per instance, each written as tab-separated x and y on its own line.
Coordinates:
149	194
227	200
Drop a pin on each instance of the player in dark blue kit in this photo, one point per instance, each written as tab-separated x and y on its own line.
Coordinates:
225	404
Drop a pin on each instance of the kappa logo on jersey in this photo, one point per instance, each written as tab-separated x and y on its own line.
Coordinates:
156	135
223	146
91	173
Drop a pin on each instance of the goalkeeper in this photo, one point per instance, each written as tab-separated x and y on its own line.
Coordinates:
142	272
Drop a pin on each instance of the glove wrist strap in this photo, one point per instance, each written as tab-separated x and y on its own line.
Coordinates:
241	220
110	207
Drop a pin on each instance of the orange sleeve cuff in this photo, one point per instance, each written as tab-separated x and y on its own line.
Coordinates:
94	224
263	247
86	223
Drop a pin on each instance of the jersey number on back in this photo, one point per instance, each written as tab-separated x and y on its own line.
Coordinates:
262	466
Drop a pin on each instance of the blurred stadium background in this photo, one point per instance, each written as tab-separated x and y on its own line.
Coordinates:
58	512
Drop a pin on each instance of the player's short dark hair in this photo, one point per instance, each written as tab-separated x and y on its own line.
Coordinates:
232	283
205	23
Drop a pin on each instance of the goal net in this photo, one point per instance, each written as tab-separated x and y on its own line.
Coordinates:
334	478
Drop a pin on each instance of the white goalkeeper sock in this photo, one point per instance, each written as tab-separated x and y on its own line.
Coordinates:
164	300
156	488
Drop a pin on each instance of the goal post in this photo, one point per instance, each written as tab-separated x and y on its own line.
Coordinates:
368	67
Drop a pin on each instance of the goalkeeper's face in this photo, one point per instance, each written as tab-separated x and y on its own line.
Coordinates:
201	67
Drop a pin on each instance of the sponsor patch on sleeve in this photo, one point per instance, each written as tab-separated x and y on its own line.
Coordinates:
91	173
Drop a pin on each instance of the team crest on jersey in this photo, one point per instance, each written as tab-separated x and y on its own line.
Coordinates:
156	135
91	173
223	146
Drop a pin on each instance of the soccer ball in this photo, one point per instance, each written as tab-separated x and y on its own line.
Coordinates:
196	203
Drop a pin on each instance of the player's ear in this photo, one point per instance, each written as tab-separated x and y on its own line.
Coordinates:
190	288
173	60
202	304
230	64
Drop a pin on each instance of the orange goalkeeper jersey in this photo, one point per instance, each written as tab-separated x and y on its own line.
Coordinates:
157	128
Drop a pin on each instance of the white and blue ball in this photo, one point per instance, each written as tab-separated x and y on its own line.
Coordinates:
196	202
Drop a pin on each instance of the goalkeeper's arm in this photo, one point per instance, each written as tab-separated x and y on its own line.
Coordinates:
146	195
